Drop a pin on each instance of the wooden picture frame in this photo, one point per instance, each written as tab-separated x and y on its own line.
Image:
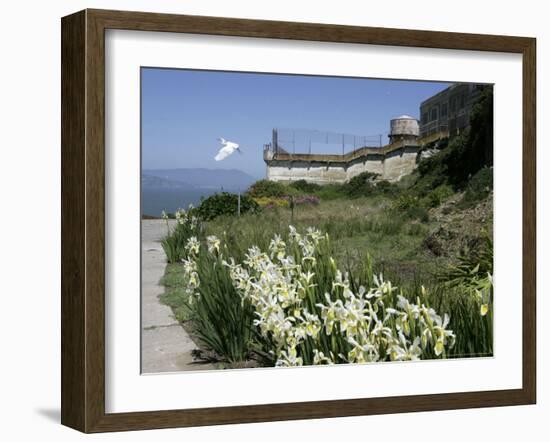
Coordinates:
83	219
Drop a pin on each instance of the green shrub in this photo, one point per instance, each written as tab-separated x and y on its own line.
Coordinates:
433	171
175	241
305	186
478	188
225	203
405	201
477	150
417	212
409	206
438	195
267	188
384	187
482	181
360	185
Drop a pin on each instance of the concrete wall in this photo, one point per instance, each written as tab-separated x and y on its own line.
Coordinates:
373	164
390	165
316	173
399	163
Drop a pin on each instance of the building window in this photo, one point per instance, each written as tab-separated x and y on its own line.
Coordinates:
443	110
434	114
453	104
425	118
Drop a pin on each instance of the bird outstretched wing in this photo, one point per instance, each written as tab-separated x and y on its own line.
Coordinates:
223	153
228	148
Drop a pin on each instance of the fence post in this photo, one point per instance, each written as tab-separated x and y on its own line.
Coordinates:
275	141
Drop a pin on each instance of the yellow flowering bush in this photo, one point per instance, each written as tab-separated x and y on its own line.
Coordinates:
271	201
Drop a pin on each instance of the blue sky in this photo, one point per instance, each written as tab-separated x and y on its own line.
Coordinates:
185	111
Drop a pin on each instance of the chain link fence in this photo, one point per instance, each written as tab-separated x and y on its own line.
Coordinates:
301	141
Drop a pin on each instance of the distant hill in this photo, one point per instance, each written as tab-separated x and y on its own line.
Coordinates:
228	179
155	182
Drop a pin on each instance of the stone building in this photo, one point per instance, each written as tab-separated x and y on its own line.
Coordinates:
449	110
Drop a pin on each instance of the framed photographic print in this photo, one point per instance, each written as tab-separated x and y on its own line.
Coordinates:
270	220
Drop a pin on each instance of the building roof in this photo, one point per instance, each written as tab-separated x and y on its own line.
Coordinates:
404	117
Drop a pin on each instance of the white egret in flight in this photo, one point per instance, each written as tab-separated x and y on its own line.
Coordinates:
228	148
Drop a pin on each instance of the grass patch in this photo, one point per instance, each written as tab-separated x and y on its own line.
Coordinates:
395	238
174	293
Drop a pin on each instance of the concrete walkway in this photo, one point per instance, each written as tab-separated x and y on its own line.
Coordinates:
165	345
